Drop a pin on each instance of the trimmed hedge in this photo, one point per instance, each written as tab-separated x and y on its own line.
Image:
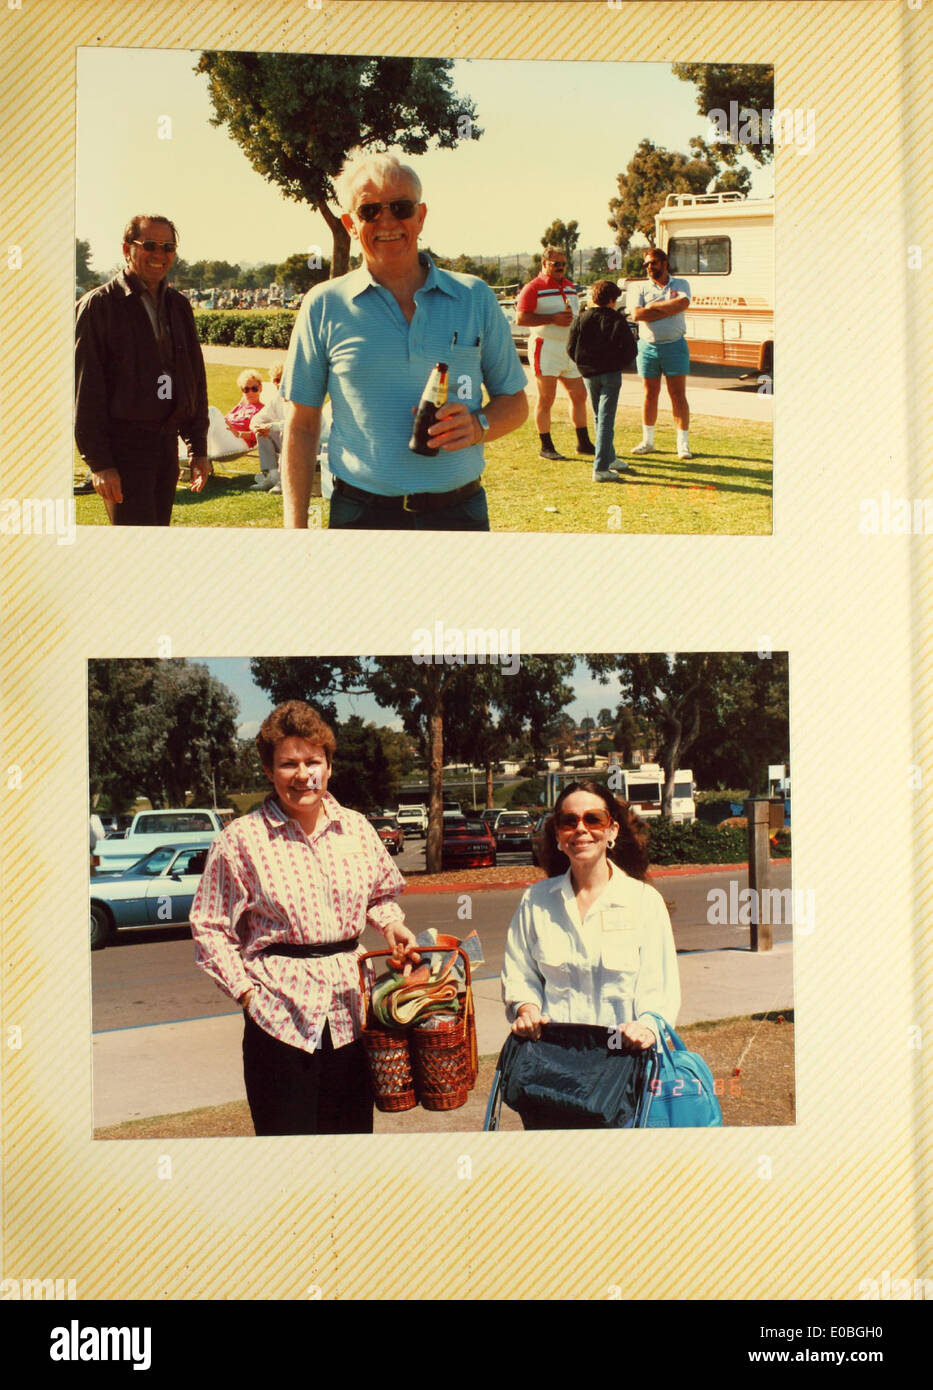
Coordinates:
699	843
244	328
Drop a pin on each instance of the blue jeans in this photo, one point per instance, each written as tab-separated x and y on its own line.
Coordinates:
604	397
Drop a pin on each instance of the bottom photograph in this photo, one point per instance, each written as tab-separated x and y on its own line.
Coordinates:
463	889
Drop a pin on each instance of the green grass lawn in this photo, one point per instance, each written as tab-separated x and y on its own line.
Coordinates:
724	490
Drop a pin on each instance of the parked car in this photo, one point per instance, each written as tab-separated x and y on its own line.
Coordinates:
490	816
452	810
389	832
467	844
413	819
152	829
514	831
519	332
157	890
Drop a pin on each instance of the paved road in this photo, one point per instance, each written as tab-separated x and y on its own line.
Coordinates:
150	976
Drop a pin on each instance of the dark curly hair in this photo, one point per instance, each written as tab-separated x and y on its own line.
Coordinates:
630	849
294	719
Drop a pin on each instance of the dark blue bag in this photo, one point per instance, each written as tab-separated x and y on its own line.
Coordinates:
679	1093
572	1077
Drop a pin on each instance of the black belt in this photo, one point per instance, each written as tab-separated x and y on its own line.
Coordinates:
319	948
411	501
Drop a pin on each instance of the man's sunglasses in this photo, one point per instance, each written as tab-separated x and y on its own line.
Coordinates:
593	820
167	246
400	208
252	388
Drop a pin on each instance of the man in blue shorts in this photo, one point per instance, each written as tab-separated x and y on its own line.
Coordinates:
369	340
662	349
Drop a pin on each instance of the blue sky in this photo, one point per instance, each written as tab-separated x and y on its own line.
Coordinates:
555	137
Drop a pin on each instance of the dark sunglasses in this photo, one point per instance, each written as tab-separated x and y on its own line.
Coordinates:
252	388
400	208
593	820
167	246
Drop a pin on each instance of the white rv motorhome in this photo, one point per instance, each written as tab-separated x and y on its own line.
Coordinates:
643	789
723	243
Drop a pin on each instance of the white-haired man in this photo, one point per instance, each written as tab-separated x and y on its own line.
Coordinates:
369	340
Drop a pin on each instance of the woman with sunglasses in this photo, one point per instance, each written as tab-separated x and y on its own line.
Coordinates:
592	943
246	407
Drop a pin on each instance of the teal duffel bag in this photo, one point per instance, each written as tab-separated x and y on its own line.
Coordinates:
679	1093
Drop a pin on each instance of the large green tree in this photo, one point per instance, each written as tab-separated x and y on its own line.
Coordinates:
652	173
563	234
301	272
85	277
727	705
165	730
749	85
297	116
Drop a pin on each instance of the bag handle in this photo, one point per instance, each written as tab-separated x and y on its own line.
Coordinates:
664	1031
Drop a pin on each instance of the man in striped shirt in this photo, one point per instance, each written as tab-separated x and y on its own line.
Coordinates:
284	898
547	305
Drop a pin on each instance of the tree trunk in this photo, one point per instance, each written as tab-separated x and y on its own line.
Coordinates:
340	259
436	789
489	784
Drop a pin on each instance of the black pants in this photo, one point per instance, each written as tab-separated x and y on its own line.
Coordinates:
148	466
291	1091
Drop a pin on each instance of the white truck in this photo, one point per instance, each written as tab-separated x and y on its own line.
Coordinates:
150	829
643	789
723	243
413	819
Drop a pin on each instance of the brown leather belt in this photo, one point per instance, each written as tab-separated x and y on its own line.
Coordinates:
411	501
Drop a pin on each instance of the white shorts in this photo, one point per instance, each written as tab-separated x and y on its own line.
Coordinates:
549	358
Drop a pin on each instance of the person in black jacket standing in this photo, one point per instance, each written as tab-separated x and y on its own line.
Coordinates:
140	382
601	344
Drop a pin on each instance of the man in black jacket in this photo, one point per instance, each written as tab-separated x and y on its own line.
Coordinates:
601	344
140	382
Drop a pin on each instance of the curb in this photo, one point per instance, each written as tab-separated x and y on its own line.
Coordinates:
667	871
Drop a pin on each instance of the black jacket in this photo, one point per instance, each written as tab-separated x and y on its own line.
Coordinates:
122	384
601	341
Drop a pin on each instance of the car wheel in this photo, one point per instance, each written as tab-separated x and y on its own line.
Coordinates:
101	927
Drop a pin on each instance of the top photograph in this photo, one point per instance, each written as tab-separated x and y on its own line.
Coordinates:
370	293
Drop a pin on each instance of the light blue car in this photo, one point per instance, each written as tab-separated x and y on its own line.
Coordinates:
155	891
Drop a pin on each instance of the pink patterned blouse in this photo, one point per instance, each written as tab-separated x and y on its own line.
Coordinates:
267	883
240	416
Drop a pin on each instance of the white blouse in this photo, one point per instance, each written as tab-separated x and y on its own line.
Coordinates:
616	964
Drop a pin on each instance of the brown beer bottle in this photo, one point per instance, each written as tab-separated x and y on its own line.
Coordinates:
435	394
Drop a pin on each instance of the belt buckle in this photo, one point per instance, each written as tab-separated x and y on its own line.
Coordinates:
405	500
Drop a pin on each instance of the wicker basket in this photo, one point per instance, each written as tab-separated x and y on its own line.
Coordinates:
390	1070
443	1054
434	1062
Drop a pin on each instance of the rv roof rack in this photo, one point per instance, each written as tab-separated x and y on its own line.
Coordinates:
675	200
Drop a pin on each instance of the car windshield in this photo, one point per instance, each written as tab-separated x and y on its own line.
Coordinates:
155	863
513	818
168	825
383	822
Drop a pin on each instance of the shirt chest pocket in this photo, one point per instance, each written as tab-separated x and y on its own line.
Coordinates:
619	947
465	380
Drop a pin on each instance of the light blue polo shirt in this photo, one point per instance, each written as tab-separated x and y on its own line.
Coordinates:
352	342
663	330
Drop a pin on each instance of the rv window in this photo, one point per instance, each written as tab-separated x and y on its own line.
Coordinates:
704	255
